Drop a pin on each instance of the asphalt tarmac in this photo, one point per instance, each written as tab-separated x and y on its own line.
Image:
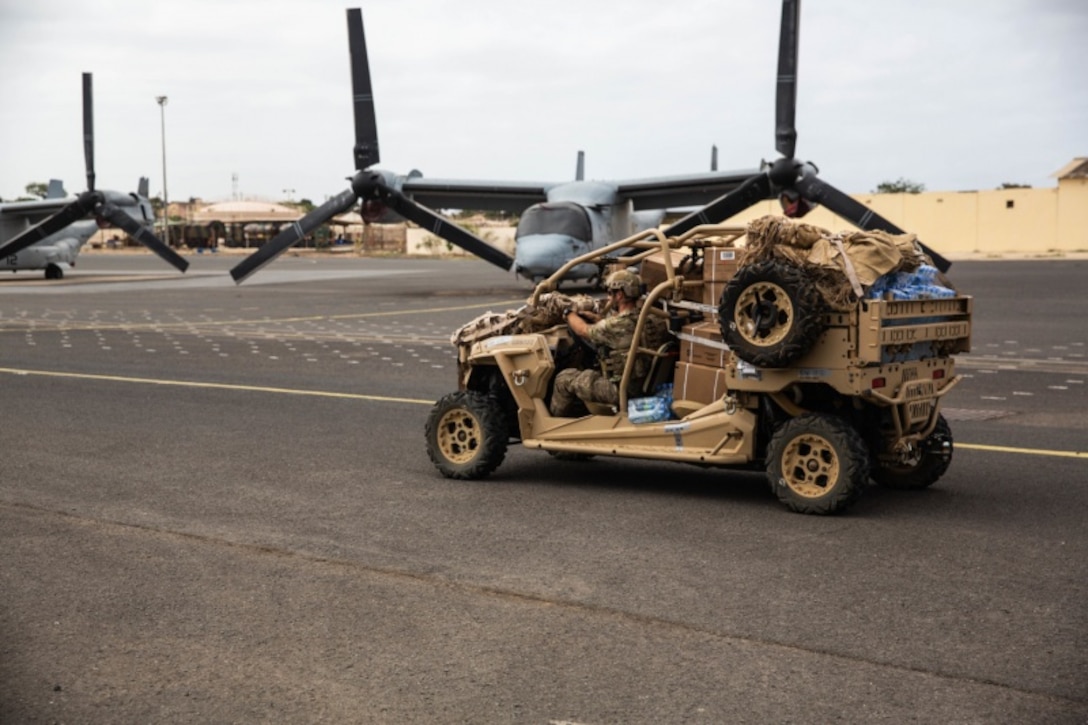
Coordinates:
216	506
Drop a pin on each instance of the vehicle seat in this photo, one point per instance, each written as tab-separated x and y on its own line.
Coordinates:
662	365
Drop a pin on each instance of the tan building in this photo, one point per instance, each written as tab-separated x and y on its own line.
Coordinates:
237	223
1002	221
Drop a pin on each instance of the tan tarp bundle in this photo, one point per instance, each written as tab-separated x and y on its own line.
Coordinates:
840	264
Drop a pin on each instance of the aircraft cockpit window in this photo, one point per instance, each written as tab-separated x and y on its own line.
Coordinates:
568	219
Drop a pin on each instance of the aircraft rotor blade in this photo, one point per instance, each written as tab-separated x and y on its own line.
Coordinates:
754	190
785	133
88	128
366	123
293	234
83	205
119	218
447	230
819	192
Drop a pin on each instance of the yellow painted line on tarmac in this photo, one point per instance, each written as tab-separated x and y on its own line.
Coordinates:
217	386
1024	451
414	401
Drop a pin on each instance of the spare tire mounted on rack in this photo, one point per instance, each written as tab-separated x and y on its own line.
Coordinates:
770	313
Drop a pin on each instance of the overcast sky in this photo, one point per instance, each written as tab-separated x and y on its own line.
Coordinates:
952	94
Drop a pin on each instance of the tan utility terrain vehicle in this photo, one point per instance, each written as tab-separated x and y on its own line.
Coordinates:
774	361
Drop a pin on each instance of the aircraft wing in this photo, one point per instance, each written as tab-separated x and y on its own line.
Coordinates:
509	196
668	192
34	210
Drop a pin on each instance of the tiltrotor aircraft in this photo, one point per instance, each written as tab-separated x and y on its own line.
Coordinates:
49	233
562	220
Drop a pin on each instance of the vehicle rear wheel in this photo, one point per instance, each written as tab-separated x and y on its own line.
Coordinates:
770	314
466	435
817	464
924	463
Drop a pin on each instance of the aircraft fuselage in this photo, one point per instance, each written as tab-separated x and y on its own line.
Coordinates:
578	216
54	254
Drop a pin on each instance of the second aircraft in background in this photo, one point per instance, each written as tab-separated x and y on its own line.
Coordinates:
48	233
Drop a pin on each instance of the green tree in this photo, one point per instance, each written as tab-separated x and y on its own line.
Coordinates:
899	186
37	189
1007	185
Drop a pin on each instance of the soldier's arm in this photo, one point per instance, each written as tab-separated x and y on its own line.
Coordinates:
577	324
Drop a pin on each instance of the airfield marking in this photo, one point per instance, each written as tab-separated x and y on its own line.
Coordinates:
83	325
217	386
415	401
1026	451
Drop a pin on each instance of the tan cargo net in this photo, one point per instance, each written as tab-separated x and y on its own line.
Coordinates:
841	264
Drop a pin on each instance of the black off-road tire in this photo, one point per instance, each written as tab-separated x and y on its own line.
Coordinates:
930	460
466	435
770	314
817	464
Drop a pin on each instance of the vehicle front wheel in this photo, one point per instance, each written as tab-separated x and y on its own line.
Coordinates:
817	464
466	435
923	463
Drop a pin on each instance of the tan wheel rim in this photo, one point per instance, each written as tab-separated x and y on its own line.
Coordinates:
810	465
765	296
459	436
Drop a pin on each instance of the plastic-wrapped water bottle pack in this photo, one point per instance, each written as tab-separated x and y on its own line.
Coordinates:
652	409
921	284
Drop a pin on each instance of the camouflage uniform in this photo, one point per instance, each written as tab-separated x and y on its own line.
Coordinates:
612	336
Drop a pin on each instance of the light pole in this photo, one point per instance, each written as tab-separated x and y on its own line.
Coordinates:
165	199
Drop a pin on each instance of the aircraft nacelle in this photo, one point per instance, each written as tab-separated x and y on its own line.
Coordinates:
139	208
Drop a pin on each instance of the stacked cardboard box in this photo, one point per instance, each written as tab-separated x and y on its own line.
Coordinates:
698	383
718	268
653	271
700	373
701	343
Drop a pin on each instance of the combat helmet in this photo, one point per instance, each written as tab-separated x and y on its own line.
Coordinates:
625	280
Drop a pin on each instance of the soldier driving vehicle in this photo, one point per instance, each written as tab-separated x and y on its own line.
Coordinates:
612	337
821	357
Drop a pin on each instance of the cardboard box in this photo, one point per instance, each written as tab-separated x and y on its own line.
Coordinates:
698	383
701	343
653	271
653	268
718	268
